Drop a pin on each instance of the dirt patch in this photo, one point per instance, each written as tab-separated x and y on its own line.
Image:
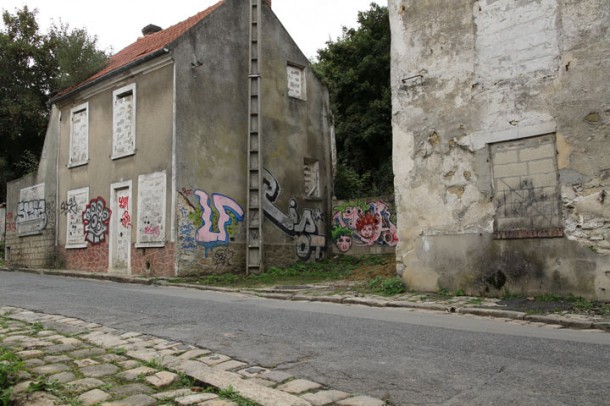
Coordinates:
387	269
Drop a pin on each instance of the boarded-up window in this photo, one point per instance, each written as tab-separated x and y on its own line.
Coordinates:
311	175
31	211
79	135
151	210
527	188
73	209
296	82
124	122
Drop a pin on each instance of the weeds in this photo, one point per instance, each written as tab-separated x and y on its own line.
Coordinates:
154	363
337	268
387	286
118	351
230	394
10	366
42	384
37	327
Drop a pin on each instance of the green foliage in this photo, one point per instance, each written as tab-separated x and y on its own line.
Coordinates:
330	269
230	393
33	66
356	69
387	286
10	366
76	54
42	384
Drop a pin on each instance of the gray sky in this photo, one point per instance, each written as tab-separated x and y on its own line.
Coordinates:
118	23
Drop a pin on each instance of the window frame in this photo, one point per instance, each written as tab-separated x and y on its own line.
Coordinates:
73	112
118	94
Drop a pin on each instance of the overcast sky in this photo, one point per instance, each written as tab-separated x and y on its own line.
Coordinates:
118	23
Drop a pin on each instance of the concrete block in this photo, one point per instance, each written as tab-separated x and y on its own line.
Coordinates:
510	170
540	152
541	166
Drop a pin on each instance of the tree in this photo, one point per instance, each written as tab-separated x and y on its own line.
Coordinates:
27	72
76	54
356	69
32	67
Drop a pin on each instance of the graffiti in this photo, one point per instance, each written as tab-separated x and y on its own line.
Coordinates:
186	192
304	226
126	219
11	226
32	216
123	202
366	224
69	207
219	214
152	230
186	229
96	218
222	257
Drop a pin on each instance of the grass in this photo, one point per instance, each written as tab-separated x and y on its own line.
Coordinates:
338	268
387	286
229	393
10	366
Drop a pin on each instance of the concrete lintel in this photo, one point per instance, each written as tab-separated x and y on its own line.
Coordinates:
478	140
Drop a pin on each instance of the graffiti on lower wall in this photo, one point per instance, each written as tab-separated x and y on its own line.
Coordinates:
32	210
209	222
364	224
304	227
96	220
11	224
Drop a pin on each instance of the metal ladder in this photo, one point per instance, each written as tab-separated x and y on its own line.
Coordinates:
254	222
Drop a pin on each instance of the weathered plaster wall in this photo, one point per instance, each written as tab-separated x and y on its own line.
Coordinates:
212	84
479	82
211	142
37	249
153	154
297	156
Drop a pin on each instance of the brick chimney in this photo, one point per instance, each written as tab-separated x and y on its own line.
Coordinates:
267	2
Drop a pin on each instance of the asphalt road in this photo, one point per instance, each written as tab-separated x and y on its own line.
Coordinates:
410	357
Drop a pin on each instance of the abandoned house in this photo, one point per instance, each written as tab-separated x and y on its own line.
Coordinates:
203	147
502	144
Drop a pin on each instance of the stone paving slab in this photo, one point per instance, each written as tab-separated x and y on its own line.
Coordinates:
94	368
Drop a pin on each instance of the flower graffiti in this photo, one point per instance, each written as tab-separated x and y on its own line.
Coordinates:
96	218
366	224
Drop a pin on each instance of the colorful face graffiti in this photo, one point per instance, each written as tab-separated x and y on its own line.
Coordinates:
367	224
344	243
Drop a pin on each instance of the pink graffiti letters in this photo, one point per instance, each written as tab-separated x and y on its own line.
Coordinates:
123	202
126	219
216	217
153	230
96	218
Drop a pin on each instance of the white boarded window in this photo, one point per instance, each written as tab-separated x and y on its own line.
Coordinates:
151	210
31	211
124	121
79	135
296	81
311	175
73	209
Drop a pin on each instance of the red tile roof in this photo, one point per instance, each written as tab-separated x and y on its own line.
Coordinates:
145	46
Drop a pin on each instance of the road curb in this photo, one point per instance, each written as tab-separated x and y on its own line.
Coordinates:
348	300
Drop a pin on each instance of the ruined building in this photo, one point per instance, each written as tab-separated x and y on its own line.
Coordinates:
502	145
203	147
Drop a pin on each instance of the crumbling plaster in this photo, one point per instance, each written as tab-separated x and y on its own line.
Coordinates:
481	72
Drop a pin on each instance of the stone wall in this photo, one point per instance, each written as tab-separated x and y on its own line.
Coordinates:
501	124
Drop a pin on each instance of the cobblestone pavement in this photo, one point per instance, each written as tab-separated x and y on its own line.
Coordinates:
73	362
